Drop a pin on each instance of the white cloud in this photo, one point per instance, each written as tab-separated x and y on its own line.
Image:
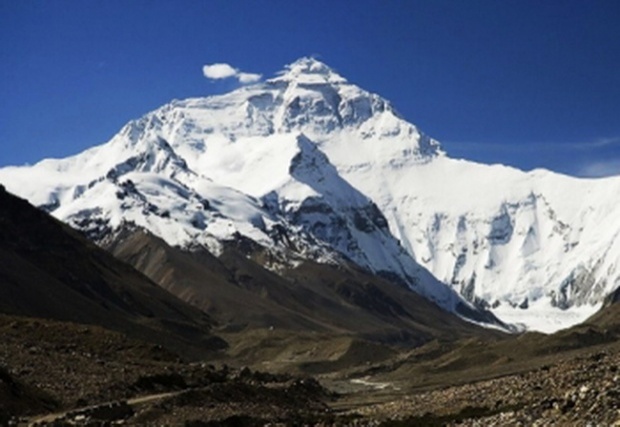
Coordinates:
224	71
218	71
601	168
248	77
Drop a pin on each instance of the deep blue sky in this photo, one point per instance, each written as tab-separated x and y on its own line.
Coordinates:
525	83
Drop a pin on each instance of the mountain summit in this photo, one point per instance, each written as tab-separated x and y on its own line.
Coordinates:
308	166
308	70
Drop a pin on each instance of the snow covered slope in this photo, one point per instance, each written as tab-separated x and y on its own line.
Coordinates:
539	248
309	165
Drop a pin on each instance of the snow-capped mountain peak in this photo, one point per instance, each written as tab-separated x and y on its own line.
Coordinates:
332	167
308	70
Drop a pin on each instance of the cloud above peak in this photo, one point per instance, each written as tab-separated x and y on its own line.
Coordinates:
220	71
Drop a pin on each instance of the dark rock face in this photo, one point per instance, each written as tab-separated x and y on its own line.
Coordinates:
369	219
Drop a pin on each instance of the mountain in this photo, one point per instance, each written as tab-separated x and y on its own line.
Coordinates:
49	271
64	300
310	167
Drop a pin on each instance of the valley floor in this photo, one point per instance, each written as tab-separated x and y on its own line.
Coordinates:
59	372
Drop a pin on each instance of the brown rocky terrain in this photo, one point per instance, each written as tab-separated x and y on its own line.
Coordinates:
578	389
325	300
61	372
57	371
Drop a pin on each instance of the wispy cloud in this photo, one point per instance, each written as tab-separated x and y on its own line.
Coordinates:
598	169
601	142
594	158
219	71
533	146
